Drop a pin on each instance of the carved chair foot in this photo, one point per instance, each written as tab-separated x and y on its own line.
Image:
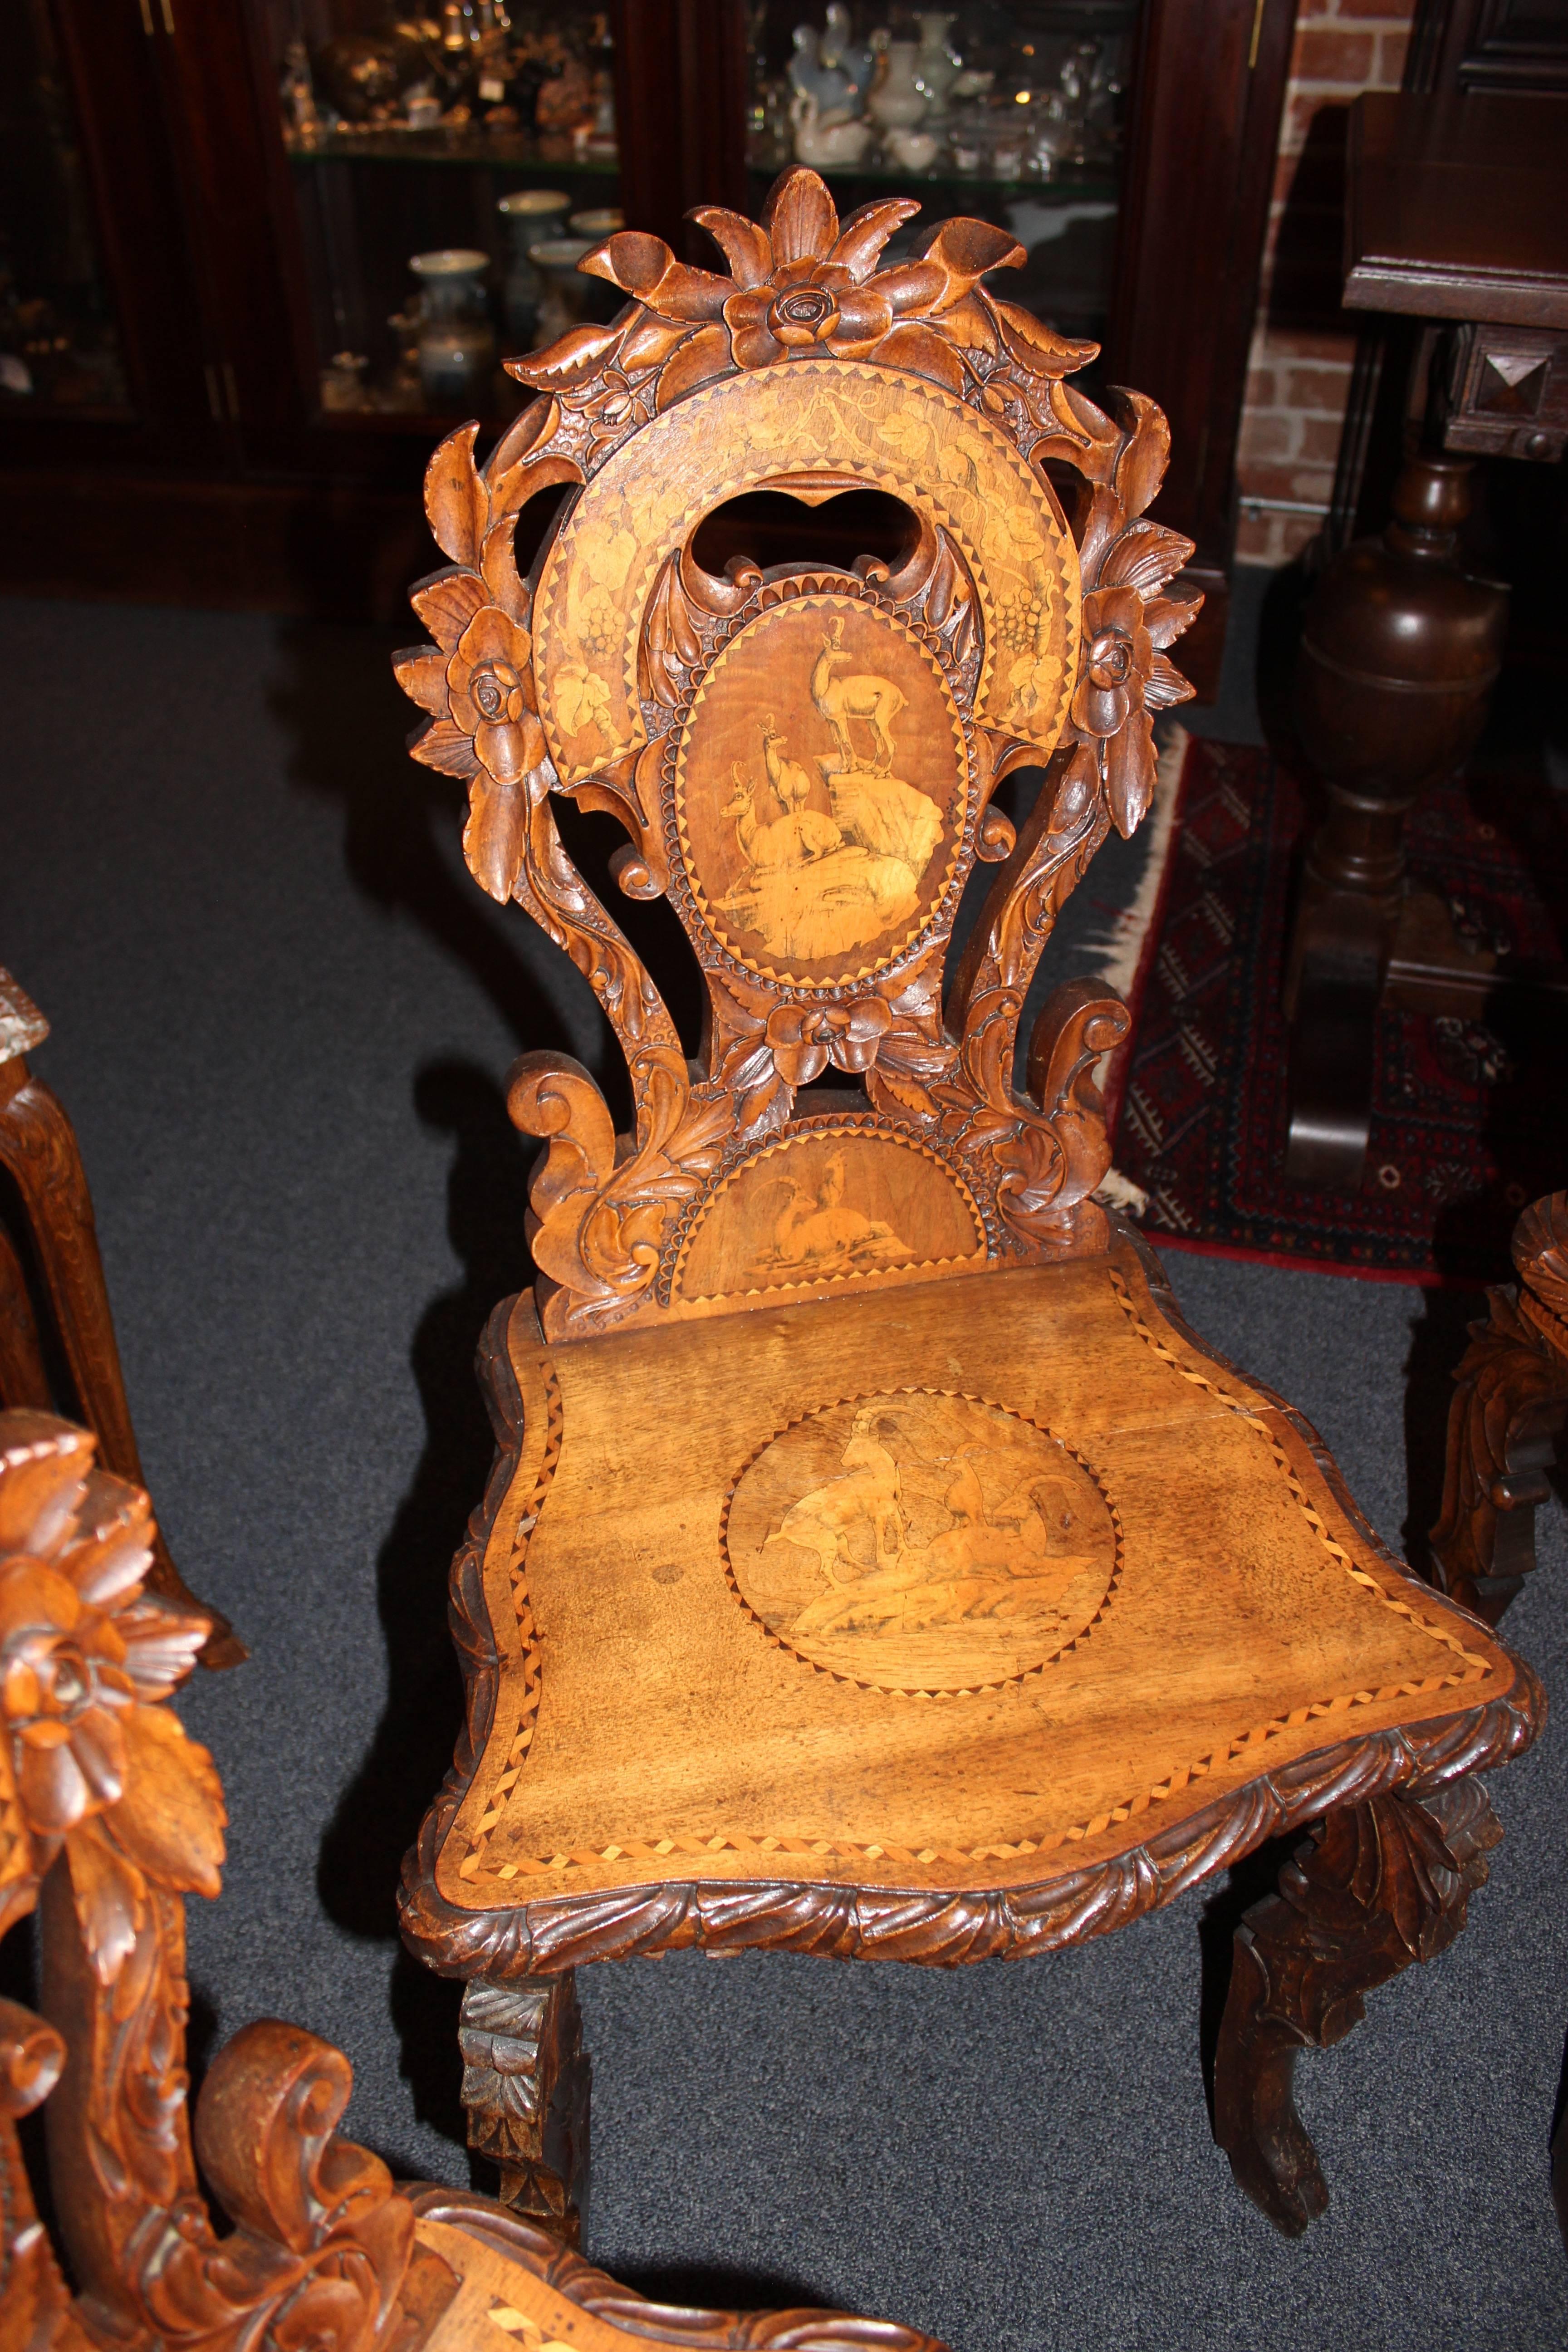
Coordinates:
526	2081
1376	1887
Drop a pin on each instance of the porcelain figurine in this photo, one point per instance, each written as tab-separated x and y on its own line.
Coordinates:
916	151
936	67
838	49
828	86
897	101
823	143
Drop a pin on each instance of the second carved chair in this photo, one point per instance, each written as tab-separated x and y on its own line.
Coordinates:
874	1566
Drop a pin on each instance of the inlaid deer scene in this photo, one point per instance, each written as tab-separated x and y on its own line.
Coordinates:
804	755
919	1541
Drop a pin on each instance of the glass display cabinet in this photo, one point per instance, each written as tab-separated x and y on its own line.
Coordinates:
1017	114
274	248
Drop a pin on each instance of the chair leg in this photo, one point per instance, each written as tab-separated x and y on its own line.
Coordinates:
1375	1886
38	1150
526	2081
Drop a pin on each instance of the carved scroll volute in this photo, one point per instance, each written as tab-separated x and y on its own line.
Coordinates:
918	377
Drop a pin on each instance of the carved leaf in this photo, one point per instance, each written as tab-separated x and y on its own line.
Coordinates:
650	342
644	267
743	244
922	351
109	1894
968	324
1145	557
529	429
421	672
1165	685
966	249
170	1821
1141	466
495	837
1130	768
446	603
440	744
511	490
866	232
457	505
704	356
1037	346
801	219
569	361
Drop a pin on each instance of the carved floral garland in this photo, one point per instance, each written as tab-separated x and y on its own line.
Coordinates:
801	285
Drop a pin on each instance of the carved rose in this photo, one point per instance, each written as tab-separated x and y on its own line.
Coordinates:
490	696
806	1037
86	1758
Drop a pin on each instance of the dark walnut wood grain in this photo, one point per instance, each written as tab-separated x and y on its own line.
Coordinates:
1510	1405
38	1151
1379	1886
108	1816
851	1459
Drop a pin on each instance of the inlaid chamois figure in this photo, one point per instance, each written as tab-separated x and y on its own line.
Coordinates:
839	699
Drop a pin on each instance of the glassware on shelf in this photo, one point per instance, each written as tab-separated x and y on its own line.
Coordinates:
531	217
913	150
937	66
600	221
897	101
565	298
456	341
343	383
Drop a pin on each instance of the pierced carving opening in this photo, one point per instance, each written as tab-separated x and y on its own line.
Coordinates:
769	528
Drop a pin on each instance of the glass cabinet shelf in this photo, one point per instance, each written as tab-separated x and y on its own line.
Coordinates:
495	151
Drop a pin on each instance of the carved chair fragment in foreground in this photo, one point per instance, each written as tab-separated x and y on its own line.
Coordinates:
874	1564
57	1232
1510	1405
108	1816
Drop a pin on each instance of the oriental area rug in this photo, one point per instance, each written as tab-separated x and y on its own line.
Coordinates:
1470	1117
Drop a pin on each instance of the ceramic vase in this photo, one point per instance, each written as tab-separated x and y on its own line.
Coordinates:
456	341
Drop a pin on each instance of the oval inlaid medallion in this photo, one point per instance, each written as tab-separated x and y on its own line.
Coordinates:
919	1540
820	790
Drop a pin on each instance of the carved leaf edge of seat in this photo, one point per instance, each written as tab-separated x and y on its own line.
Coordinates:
935	1926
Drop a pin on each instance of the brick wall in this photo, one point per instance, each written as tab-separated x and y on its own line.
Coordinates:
1302	343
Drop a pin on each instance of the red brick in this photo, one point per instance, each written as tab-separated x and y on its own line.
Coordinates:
1320	440
1390	48
1390	11
1260	388
1255	538
1326	54
1295	532
1264	434
1279	479
1302	109
1317	387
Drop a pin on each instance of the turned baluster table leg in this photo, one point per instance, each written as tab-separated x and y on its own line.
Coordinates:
1399	651
526	2084
1377	1886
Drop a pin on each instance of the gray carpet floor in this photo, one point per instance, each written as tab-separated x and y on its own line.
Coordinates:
282	1015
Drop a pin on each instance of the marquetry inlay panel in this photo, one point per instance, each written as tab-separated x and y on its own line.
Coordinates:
921	1540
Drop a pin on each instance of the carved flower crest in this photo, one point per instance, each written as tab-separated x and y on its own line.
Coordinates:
477	683
803	284
87	1758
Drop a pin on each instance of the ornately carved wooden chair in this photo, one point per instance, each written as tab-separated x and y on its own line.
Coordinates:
875	1564
108	1816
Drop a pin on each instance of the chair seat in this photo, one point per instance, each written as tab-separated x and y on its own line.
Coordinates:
922	1622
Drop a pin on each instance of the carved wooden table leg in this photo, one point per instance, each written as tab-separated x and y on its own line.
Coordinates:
38	1151
1399	650
1376	1887
1510	1406
526	2080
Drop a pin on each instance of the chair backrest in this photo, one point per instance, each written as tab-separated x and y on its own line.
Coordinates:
804	757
